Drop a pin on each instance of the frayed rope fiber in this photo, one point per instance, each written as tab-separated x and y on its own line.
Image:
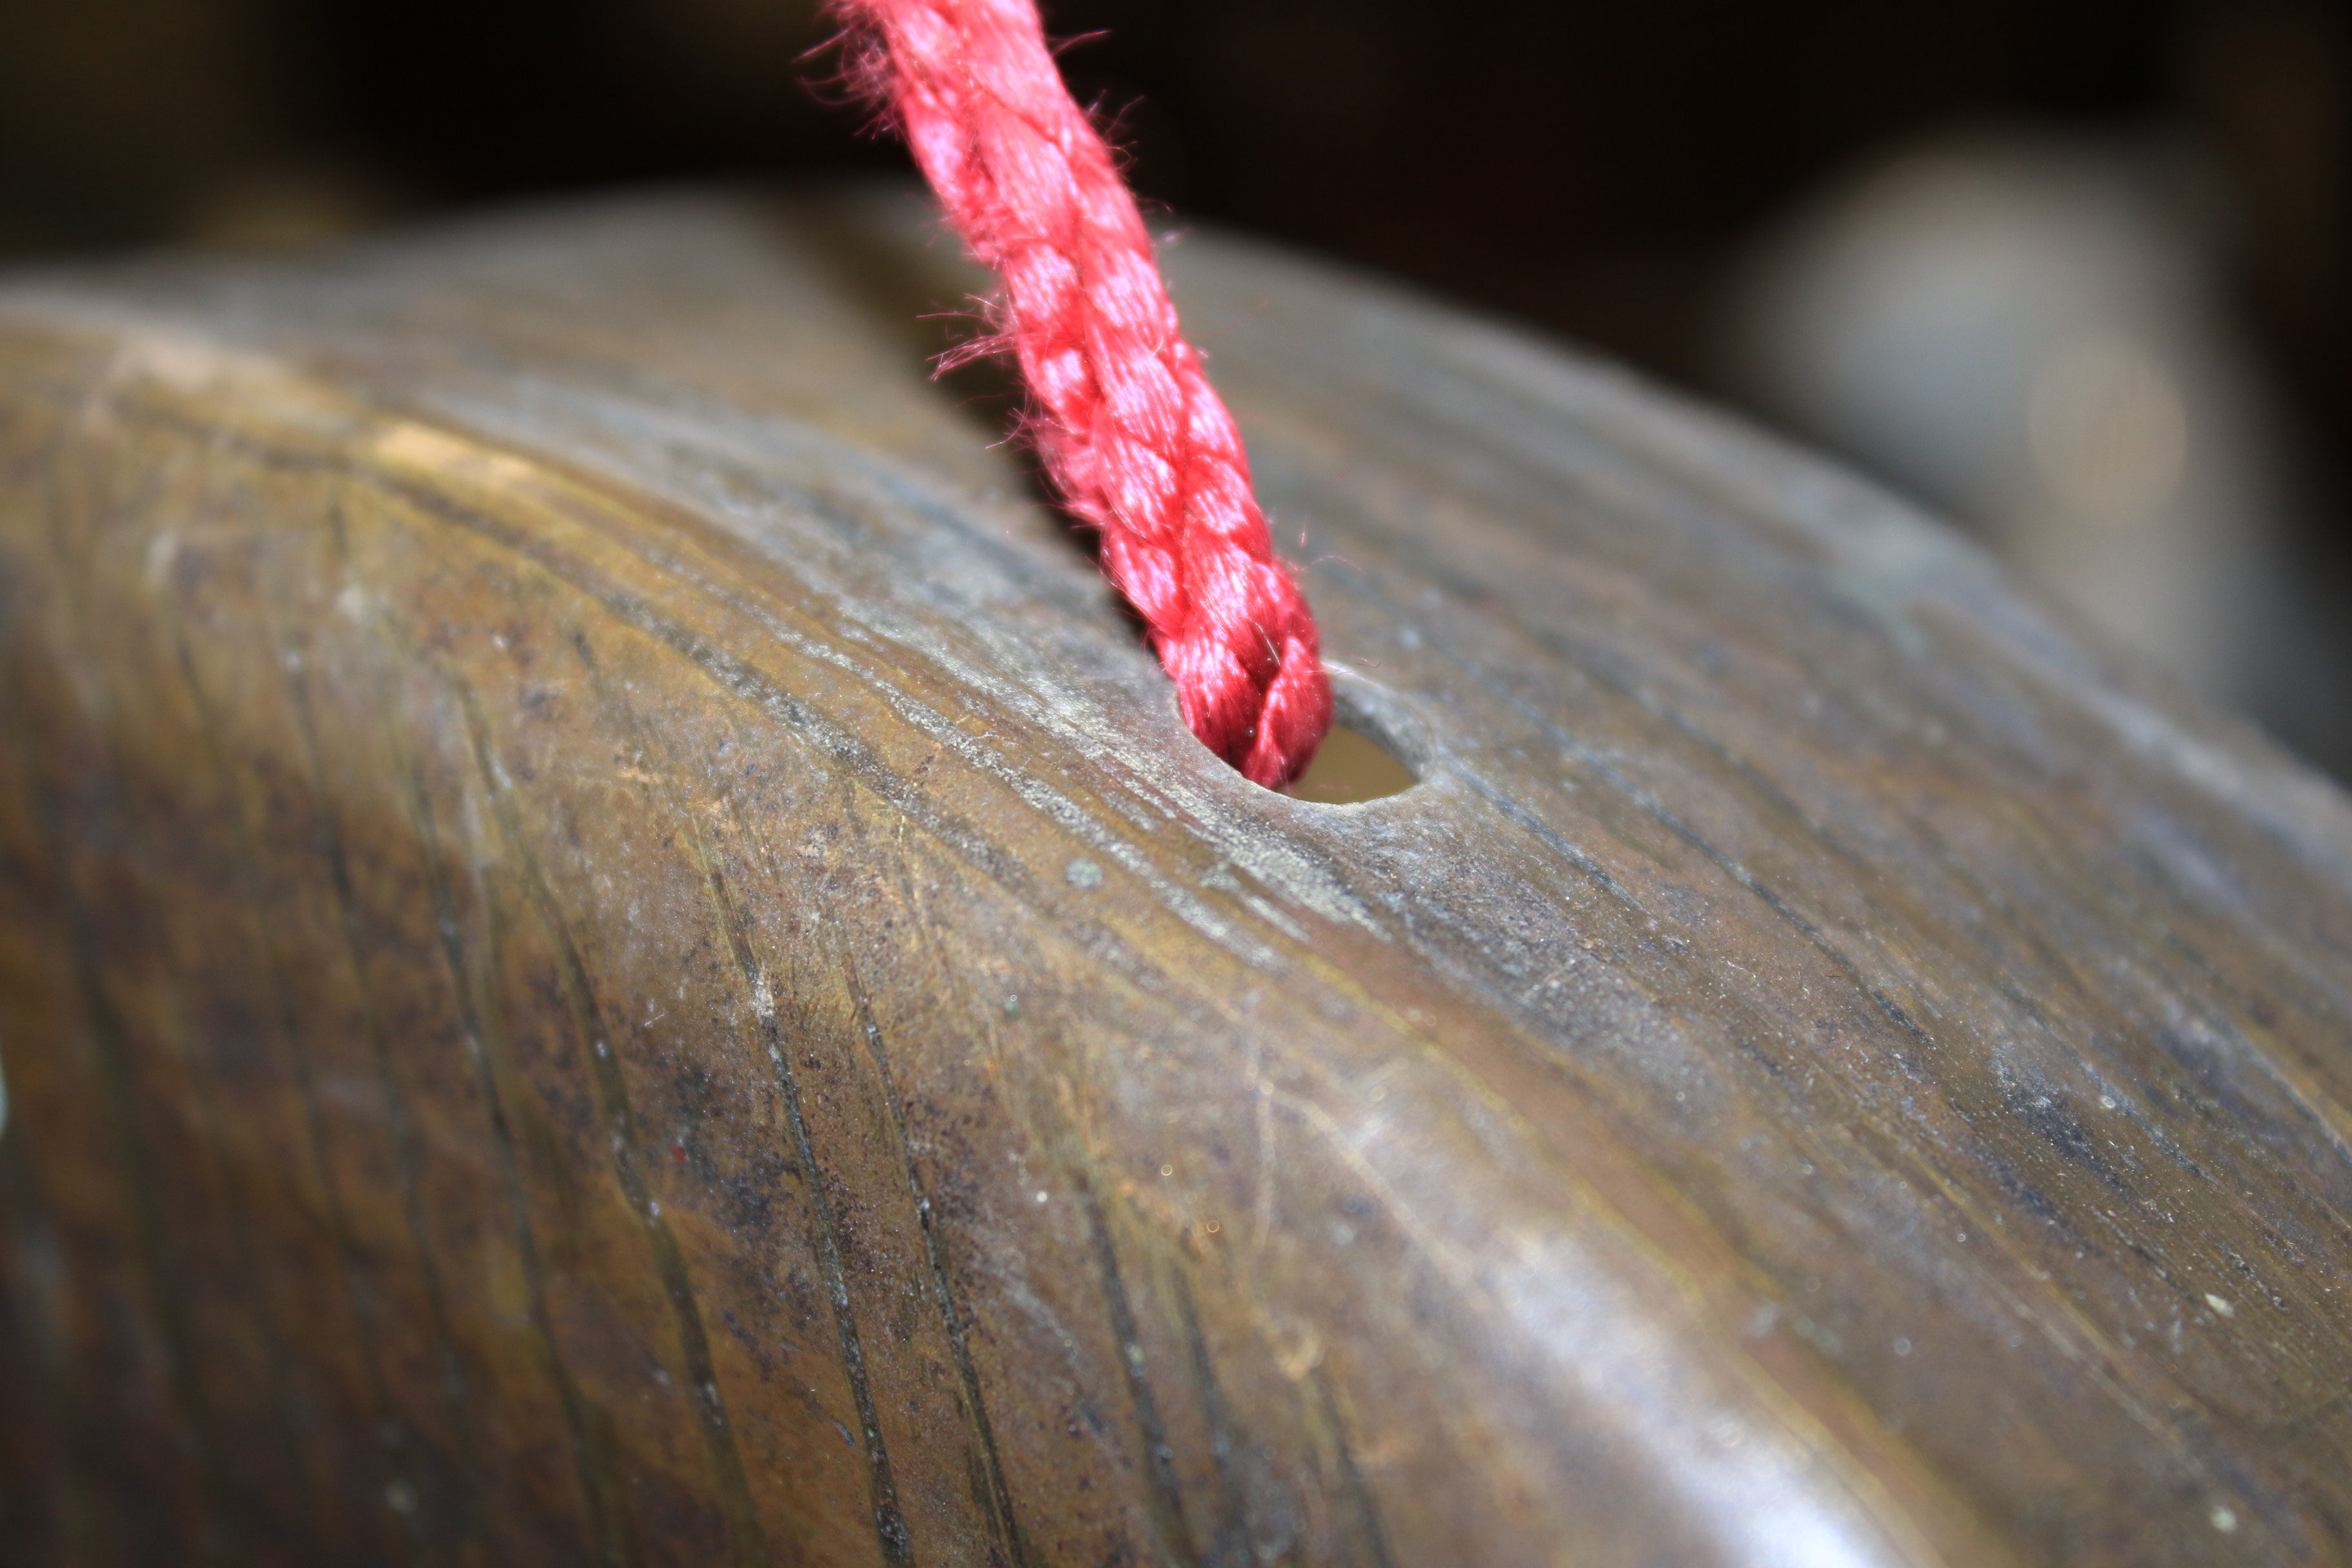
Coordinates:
1137	443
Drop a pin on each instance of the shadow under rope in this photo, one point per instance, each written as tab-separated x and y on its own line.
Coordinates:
888	254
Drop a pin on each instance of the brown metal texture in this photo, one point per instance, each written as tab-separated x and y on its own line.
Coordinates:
611	951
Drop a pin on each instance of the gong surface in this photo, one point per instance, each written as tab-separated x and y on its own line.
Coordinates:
610	950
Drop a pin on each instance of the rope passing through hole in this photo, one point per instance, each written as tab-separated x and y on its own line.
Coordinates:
1137	442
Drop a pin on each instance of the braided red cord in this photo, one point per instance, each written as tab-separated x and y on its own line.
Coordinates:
1136	441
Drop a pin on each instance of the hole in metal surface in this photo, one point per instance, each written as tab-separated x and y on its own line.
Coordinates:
1352	767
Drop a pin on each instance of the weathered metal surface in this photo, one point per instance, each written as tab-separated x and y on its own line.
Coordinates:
611	951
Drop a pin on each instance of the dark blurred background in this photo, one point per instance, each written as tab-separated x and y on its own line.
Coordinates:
2076	272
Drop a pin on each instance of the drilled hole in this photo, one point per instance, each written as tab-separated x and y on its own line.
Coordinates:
1352	767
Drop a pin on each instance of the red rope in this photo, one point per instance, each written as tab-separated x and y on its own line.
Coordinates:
1136	440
